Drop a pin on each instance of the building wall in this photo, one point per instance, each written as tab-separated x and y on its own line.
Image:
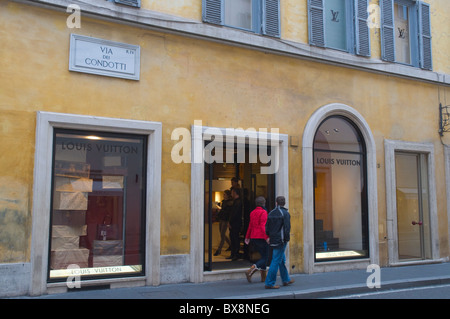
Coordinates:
294	24
184	79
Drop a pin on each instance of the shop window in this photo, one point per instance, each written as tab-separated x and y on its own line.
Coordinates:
340	192
339	24
406	32
259	16
98	204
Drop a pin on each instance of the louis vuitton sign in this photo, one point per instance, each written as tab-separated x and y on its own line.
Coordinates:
102	57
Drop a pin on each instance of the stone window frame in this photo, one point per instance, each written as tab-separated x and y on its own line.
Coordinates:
312	125
45	124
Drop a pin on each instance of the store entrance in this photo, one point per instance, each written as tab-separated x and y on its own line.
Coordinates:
220	180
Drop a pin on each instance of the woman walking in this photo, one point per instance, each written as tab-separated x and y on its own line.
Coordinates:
256	235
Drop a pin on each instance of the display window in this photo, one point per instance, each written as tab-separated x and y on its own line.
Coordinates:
97	226
340	192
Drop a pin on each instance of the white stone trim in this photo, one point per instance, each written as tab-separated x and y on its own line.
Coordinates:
447	186
46	122
390	147
308	186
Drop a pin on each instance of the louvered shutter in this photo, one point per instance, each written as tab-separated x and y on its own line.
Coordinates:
133	3
387	30
361	28
271	18
212	11
425	36
316	22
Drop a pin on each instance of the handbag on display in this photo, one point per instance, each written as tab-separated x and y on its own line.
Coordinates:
107	231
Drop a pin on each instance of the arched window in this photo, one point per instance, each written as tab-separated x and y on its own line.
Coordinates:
341	228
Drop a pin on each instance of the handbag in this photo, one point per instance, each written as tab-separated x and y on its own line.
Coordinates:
107	231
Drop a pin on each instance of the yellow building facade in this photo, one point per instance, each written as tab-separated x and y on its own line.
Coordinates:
127	109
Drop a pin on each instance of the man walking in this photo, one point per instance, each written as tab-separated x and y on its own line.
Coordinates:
278	228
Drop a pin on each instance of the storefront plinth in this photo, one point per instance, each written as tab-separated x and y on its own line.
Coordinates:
419	262
228	274
341	265
62	287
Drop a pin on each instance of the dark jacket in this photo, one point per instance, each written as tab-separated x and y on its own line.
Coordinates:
278	226
236	214
226	209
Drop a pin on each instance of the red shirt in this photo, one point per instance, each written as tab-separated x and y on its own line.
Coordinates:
257	226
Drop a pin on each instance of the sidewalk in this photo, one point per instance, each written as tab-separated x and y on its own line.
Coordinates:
319	285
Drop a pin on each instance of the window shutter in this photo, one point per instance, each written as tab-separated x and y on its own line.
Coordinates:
387	30
425	36
316	22
133	3
212	11
361	28
271	18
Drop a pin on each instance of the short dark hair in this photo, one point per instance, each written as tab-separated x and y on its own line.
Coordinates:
281	201
260	201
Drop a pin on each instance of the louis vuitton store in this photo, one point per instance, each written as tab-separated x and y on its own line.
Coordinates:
119	140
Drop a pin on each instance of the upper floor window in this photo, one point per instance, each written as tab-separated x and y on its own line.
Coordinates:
132	3
339	24
402	21
238	13
259	16
406	32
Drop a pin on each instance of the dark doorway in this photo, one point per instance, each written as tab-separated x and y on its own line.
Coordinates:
218	181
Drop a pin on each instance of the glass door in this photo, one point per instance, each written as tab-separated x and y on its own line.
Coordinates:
413	217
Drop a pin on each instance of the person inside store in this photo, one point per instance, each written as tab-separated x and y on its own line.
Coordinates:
257	237
246	220
235	224
223	217
235	184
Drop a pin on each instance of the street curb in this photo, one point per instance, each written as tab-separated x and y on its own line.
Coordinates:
340	291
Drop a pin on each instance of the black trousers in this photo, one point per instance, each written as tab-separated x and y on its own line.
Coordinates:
235	241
